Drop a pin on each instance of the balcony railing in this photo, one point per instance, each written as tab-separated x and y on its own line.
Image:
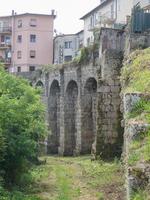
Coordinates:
6	61
107	18
5	45
5	29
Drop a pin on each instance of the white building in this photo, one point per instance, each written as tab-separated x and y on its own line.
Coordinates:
66	47
109	13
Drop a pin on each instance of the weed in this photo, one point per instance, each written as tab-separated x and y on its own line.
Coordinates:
100	196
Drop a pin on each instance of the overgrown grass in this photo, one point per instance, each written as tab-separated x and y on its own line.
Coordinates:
140	195
140	149
141	110
16	195
135	75
140	146
98	174
70	179
135	78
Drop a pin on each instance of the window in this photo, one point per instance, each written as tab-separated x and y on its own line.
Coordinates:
92	21
32	54
95	18
32	38
18	54
31	68
88	40
2	38
6	24
18	69
68	45
7	40
33	22
68	58
8	54
19	38
19	23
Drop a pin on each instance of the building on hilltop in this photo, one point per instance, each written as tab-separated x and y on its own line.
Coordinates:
66	47
26	41
109	13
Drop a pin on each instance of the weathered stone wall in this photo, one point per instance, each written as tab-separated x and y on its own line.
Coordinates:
83	103
109	132
136	41
137	175
78	87
111	39
89	111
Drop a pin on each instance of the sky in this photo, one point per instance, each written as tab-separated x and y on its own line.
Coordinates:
69	12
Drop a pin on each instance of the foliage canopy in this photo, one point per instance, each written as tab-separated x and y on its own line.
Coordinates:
22	126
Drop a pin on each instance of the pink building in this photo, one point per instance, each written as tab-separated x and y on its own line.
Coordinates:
26	41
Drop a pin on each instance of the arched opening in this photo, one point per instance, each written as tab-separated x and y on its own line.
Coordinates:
70	118
54	118
40	85
88	118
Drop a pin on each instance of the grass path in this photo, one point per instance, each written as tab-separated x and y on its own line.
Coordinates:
78	179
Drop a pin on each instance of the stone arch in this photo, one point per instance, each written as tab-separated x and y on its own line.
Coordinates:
39	84
54	117
70	122
88	118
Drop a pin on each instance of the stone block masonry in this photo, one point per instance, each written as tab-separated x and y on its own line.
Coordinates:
83	106
109	137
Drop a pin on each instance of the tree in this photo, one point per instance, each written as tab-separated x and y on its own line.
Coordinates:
22	126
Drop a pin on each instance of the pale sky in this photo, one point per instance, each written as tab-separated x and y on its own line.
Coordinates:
68	11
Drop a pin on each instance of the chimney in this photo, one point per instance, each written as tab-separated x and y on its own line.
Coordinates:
52	12
13	12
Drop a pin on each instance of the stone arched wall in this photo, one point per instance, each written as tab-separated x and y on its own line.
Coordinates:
54	117
39	83
70	118
88	115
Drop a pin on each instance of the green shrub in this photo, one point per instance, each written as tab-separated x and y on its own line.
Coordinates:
22	126
139	195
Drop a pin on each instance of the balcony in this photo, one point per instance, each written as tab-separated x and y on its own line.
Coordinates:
6	61
5	30
5	45
107	18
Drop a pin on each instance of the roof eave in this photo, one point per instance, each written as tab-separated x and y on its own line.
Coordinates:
96	8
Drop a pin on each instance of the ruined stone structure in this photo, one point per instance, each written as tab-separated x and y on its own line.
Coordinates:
83	103
72	109
83	106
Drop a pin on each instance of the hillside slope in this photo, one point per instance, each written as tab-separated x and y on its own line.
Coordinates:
135	79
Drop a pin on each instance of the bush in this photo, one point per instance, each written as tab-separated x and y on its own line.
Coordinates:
22	126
